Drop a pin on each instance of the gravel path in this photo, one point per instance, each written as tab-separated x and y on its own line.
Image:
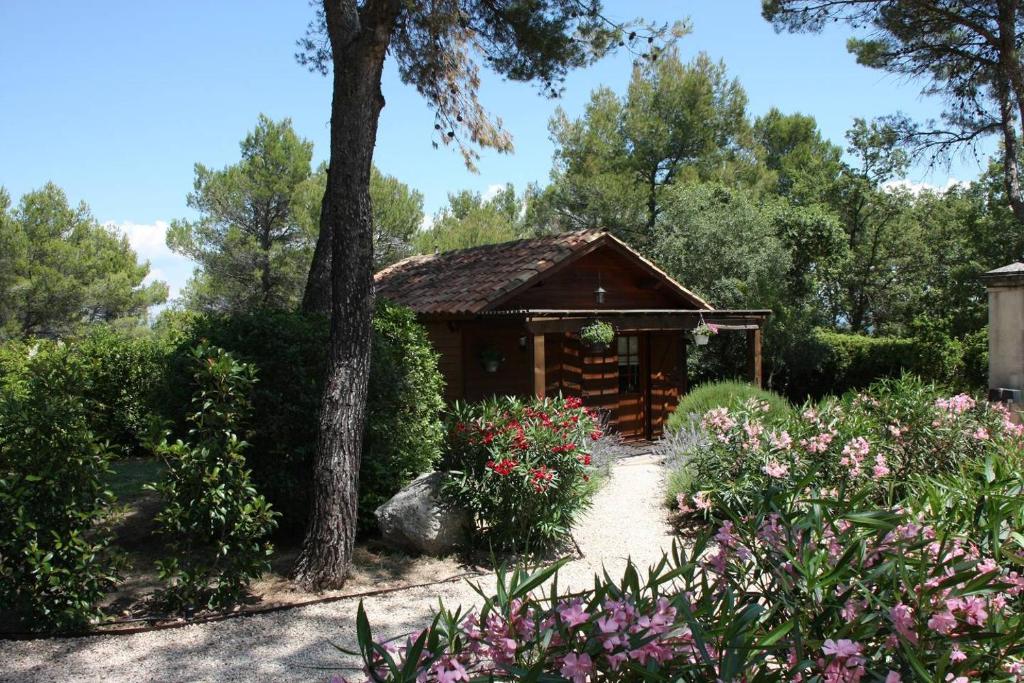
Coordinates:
626	519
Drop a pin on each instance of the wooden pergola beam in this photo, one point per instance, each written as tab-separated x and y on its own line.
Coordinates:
754	372
539	380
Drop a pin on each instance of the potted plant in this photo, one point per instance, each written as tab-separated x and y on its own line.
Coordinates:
491	359
597	335
703	332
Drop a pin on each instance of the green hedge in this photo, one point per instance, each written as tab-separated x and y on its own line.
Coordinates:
55	559
834	362
289	350
723	394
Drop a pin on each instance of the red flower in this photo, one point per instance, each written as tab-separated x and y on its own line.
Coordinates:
584	458
541	477
596	434
573	402
564	448
503	467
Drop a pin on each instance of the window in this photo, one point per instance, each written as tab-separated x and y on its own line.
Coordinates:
629	364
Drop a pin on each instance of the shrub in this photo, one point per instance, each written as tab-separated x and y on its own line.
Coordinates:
834	362
521	468
122	381
722	394
55	559
216	521
289	350
813	589
126	376
879	440
404	430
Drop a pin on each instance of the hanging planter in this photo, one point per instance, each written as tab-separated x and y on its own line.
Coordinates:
703	333
597	335
491	359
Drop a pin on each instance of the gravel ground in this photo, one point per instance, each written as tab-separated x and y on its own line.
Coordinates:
294	645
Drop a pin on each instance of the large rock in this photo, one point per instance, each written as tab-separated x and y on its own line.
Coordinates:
415	519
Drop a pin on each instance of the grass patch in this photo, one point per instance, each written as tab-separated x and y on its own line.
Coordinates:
130	475
724	394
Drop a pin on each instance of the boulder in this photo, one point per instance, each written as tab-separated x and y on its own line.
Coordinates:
415	518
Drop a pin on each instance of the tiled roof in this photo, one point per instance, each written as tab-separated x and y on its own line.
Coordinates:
472	280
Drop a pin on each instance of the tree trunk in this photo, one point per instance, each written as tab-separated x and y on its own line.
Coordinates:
359	40
317	296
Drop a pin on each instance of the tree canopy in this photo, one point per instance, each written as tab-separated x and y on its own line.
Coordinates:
965	51
248	241
59	268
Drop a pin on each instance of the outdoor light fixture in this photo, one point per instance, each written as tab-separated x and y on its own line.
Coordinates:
600	291
522	342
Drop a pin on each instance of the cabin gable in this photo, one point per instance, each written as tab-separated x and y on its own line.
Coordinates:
627	282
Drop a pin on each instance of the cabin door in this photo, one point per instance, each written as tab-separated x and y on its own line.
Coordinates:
631	418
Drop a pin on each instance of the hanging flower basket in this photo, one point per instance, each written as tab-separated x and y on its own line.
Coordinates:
703	333
491	359
597	335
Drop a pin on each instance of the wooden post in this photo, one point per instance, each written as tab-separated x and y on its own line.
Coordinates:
754	357
539	380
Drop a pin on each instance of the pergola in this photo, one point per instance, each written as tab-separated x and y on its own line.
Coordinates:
542	322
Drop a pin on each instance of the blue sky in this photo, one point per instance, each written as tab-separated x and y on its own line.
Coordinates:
115	100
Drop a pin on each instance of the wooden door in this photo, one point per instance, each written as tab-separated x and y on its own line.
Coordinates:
668	377
631	419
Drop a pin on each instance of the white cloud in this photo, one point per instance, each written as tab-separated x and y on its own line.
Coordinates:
492	191
917	188
149	240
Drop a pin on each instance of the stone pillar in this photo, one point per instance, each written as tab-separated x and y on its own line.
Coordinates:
1005	331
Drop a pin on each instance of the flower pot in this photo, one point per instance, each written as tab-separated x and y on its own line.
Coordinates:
700	339
491	365
598	347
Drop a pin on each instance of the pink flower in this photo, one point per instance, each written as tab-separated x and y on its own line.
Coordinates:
881	468
974	610
942	622
981	434
573	615
903	620
893	677
577	667
841	648
957	679
449	670
776	470
957	655
782	440
701	500
683	505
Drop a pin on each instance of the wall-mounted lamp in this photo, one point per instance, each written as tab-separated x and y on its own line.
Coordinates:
600	291
522	342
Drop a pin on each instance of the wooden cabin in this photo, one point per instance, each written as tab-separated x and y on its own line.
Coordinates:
524	302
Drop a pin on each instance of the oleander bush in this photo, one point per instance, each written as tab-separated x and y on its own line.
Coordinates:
803	586
215	521
521	468
882	440
55	555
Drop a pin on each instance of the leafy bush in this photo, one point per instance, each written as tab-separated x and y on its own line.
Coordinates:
216	521
880	441
800	588
122	381
521	468
55	559
125	384
403	431
722	394
834	362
